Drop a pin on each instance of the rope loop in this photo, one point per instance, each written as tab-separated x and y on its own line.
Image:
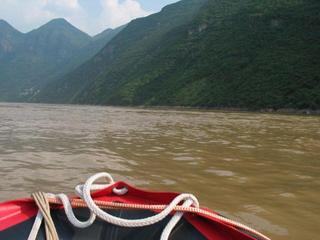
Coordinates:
84	192
179	204
129	222
94	187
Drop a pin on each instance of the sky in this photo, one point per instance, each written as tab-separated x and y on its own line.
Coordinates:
91	16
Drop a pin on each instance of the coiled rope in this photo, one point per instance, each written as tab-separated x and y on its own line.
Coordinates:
84	192
190	204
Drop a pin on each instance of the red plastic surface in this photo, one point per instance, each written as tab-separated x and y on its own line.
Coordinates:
15	212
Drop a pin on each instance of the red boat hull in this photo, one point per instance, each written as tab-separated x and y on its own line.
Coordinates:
16	219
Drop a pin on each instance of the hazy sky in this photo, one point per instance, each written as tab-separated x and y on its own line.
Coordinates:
91	16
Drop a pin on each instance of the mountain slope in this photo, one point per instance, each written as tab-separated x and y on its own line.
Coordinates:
247	54
96	44
10	38
30	61
120	57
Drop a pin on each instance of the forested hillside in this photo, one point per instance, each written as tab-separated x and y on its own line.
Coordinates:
30	61
215	53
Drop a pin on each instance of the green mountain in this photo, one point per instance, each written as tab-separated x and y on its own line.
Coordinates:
10	39
96	44
215	53
30	61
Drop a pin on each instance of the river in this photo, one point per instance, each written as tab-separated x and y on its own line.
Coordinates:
261	169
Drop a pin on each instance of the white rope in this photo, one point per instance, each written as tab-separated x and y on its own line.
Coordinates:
84	192
36	226
129	222
174	220
70	214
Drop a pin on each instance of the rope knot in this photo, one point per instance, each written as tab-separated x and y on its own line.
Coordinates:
44	212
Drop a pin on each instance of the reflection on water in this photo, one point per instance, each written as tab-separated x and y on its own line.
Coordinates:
262	169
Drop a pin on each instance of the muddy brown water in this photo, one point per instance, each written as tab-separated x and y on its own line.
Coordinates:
261	169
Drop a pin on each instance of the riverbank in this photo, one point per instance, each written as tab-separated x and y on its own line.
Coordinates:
288	111
231	109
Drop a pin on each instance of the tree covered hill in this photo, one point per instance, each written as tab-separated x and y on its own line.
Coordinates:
124	54
213	53
30	61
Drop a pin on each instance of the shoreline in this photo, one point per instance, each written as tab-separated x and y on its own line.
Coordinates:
285	111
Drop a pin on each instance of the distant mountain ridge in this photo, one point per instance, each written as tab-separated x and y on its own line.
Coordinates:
122	55
10	38
30	61
210	53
